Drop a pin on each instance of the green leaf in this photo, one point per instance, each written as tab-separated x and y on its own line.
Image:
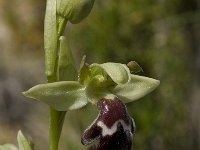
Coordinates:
119	73
50	38
8	147
84	72
136	88
24	144
66	64
62	96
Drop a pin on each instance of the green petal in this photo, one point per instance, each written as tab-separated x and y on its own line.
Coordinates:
136	88
63	95
8	147
134	67
24	144
119	73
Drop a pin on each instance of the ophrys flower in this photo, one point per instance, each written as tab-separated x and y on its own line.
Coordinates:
108	86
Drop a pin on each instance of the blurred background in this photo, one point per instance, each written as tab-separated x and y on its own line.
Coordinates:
163	36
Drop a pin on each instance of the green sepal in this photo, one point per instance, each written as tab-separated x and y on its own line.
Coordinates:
24	144
119	73
136	88
62	96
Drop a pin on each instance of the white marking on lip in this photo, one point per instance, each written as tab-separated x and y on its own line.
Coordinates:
113	129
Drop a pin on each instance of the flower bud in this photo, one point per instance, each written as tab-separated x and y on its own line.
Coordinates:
74	10
113	128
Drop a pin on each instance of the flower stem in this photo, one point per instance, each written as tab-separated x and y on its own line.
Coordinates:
56	123
56	117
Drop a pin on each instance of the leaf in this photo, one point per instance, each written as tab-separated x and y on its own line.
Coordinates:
134	67
66	64
136	88
24	144
119	73
84	72
8	147
66	71
50	38
62	96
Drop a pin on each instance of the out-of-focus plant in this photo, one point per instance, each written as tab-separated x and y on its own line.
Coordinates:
108	85
23	142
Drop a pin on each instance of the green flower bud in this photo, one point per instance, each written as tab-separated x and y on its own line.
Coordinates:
74	10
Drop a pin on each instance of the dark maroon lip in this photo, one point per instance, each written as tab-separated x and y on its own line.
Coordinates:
113	128
112	111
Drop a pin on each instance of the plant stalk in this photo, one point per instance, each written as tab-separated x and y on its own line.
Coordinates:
56	117
56	123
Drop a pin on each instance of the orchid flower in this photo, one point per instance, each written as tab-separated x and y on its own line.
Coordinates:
108	86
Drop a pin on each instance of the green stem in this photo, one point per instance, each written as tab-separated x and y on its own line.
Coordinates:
56	123
56	117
